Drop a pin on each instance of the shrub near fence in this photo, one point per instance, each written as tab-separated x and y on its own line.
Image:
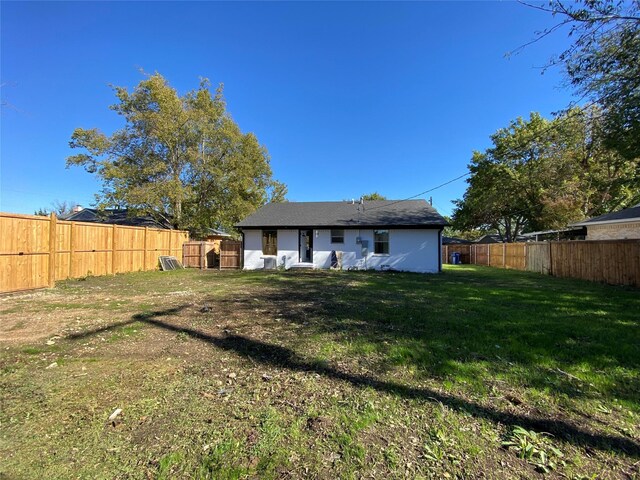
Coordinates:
36	251
610	261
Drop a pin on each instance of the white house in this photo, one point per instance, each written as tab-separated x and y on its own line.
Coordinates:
383	234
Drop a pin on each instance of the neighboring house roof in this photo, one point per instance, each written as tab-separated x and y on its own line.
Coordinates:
375	213
631	214
117	217
495	238
576	233
489	238
455	241
212	232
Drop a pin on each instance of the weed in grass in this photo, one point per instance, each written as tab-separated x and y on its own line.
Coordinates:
125	332
222	460
168	465
271	455
391	458
535	448
33	350
182	337
440	447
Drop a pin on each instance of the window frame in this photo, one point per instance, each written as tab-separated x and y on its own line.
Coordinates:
266	235
377	242
333	242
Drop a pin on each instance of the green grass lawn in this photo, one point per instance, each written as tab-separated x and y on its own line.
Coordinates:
477	372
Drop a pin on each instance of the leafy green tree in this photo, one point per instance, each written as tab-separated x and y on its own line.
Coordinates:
543	174
452	231
373	196
180	158
603	63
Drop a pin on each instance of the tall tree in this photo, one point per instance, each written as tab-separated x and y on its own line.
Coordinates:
543	174
181	158
603	63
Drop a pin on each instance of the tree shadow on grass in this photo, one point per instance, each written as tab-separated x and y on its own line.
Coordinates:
472	325
281	357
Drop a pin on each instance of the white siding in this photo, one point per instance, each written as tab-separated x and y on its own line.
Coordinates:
414	250
253	249
287	247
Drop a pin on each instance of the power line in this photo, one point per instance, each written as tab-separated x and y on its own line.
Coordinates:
421	193
552	124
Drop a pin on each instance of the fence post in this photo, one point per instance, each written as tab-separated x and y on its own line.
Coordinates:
446	254
203	257
144	260
550	260
113	249
526	256
52	249
72	241
504	255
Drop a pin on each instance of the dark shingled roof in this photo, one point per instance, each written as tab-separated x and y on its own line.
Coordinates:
116	216
375	213
455	241
621	215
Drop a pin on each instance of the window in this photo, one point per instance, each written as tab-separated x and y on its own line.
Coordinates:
337	236
269	242
381	242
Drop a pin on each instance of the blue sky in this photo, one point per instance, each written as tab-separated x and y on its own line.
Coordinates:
348	98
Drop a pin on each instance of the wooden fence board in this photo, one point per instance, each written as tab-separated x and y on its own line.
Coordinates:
496	255
481	254
515	256
230	254
36	251
538	258
197	255
222	254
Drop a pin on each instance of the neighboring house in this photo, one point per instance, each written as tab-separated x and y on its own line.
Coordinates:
621	225
382	234
117	217
569	233
455	241
496	238
214	235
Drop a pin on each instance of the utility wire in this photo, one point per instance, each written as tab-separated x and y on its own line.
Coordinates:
421	193
553	124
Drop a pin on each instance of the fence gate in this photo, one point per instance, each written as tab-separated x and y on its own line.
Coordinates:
230	254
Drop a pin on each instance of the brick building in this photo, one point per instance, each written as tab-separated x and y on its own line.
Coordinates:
621	225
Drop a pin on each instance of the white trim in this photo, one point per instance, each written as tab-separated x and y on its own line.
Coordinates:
604	222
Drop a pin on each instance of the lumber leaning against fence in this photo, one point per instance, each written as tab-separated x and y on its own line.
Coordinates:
616	262
36	251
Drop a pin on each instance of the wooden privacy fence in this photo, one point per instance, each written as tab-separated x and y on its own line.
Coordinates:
230	254
36	251
611	261
221	254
